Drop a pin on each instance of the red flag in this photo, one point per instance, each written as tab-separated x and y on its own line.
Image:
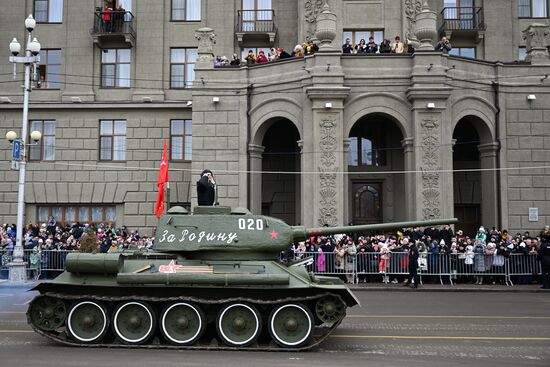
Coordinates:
163	177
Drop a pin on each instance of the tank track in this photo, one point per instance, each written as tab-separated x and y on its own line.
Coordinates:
157	341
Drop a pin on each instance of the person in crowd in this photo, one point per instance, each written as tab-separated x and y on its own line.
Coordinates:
273	55
409	48
443	45
224	61
413	279
261	58
206	189
372	47
320	263
310	48
339	258
282	53
361	47
385	47
384	262
347	47
479	260
397	47
543	255
235	60
481	235
350	257
250	58
298	51
218	62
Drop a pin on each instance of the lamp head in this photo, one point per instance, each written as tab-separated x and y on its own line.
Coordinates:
15	47
34	47
30	23
36	136
11	136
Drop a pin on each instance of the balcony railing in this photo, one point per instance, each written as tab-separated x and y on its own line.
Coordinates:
462	19
114	26
256	21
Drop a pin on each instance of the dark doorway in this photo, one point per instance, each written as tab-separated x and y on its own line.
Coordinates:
367	202
469	217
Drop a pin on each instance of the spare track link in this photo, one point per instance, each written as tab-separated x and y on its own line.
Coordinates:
62	337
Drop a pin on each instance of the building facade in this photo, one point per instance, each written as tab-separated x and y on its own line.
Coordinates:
322	140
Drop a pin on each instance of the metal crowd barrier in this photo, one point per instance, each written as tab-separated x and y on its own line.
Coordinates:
451	268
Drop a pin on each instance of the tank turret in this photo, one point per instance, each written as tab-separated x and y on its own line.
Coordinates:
220	233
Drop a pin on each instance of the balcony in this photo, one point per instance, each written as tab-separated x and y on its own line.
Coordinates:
114	29
256	27
464	22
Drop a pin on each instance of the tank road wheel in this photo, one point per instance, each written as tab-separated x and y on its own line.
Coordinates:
238	324
182	323
291	325
134	322
87	322
330	309
47	313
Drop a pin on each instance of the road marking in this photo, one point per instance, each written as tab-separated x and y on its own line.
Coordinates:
435	337
23	304
15	331
448	317
12	312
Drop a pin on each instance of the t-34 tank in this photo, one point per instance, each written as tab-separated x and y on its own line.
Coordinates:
211	282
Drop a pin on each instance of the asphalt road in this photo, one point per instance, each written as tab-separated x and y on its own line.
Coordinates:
390	329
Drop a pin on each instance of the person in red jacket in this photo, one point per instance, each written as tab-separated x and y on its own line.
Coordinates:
261	58
106	16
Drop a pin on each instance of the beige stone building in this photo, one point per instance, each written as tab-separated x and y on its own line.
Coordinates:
329	139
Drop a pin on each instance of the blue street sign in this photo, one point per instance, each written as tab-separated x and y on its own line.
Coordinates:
16	150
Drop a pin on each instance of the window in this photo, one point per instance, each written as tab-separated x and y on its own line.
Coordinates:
356	36
182	67
72	214
48	11
367	146
256	51
44	150
464	52
180	140
533	8
115	68
112	140
255	14
522	53
49	70
186	10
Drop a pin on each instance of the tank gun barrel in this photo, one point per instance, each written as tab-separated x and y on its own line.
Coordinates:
301	233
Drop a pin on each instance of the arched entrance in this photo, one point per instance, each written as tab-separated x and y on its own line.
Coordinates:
280	190
375	194
475	191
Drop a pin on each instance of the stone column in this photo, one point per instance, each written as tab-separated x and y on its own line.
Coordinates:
207	40
426	28
326	29
345	194
489	198
537	42
255	153
412	8
408	153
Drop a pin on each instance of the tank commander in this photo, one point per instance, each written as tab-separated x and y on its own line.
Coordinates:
206	189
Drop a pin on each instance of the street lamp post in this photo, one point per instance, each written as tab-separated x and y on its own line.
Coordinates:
17	268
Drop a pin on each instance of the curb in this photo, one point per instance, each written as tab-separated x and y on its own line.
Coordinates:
509	289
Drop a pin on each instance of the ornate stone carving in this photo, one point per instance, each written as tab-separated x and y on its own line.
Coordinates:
327	177
312	9
207	40
426	28
536	43
431	191
326	29
412	8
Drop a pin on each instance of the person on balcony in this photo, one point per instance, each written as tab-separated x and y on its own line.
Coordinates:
347	47
250	58
106	17
397	47
261	58
444	45
385	47
372	47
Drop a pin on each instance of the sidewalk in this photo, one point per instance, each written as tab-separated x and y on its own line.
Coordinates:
532	288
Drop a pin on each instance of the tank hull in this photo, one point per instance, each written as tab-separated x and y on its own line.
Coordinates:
214	287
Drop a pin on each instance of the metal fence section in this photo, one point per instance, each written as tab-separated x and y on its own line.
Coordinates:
445	268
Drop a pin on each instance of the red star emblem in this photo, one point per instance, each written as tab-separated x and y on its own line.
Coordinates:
274	234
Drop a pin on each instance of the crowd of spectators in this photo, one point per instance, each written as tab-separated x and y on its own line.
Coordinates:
309	48
482	255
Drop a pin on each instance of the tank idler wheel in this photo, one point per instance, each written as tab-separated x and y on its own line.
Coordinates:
182	323
291	325
87	322
239	324
134	322
48	313
330	309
